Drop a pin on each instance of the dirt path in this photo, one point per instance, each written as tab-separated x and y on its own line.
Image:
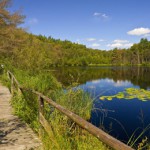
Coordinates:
14	134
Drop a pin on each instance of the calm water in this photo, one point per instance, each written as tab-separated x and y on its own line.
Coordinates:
119	117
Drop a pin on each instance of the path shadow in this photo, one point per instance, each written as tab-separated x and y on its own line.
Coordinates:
7	127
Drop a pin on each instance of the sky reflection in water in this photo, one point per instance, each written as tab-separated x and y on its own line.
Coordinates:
119	117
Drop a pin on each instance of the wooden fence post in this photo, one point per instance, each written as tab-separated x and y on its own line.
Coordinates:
12	85
19	91
41	111
44	123
8	75
41	105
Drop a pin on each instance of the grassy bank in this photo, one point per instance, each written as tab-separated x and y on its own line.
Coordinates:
65	135
124	65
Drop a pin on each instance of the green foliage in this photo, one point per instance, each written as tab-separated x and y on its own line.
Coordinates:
40	52
9	33
73	138
143	144
43	54
69	75
130	93
26	107
76	101
4	79
43	82
65	133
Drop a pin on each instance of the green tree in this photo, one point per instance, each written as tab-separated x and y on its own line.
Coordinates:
9	37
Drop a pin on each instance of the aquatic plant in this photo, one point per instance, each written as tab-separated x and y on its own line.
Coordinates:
130	93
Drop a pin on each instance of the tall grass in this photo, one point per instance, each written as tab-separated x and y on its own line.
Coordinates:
65	135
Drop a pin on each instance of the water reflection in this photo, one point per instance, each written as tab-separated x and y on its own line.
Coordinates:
139	76
119	117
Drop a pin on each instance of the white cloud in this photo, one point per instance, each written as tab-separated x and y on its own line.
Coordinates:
109	80
94	39
114	45
127	45
33	21
91	39
100	15
120	83
95	45
120	44
96	81
120	41
139	31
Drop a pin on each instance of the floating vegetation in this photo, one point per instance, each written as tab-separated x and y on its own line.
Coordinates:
130	93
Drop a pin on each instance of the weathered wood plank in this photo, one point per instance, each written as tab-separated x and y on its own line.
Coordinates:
41	105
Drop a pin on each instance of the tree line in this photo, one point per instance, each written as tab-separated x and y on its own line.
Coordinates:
28	51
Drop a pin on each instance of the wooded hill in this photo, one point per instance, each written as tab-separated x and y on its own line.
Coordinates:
28	51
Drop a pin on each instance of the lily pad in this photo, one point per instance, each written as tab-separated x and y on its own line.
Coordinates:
130	93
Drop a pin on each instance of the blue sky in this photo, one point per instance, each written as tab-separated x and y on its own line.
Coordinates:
99	24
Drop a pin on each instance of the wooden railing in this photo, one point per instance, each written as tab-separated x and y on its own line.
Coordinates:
98	133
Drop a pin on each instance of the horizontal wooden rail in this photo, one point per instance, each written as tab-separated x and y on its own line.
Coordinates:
100	134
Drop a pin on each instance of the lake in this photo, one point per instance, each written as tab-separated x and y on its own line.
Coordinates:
120	117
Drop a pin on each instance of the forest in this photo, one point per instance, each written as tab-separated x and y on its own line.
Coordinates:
28	51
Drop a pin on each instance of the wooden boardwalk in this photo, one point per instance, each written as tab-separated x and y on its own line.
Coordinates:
14	134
